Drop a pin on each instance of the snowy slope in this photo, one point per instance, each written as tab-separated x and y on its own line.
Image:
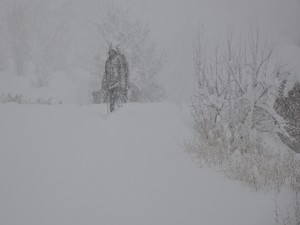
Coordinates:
76	165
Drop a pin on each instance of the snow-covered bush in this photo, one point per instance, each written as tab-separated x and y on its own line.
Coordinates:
21	99
289	108
236	125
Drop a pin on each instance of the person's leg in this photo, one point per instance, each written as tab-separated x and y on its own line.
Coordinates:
111	100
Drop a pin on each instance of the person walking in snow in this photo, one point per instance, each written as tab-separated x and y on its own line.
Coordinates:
115	81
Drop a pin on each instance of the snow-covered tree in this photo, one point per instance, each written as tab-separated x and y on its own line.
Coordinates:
17	27
289	108
49	43
145	59
3	38
36	35
236	90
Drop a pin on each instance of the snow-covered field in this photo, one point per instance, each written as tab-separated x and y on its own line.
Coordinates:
77	165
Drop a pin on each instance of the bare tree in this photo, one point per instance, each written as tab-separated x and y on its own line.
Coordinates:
3	38
3	49
49	44
19	35
143	55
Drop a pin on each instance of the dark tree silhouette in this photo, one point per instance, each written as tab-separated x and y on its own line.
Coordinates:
289	108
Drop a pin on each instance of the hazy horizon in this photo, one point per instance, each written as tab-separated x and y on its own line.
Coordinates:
173	26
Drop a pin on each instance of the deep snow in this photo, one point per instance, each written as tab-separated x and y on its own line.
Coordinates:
77	165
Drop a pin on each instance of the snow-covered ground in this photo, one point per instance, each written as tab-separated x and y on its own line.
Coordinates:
77	165
65	86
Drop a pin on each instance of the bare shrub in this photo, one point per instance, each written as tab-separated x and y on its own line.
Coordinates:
20	99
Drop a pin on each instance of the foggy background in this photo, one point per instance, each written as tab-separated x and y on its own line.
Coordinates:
173	26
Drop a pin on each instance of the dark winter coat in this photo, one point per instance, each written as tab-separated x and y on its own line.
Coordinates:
115	81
